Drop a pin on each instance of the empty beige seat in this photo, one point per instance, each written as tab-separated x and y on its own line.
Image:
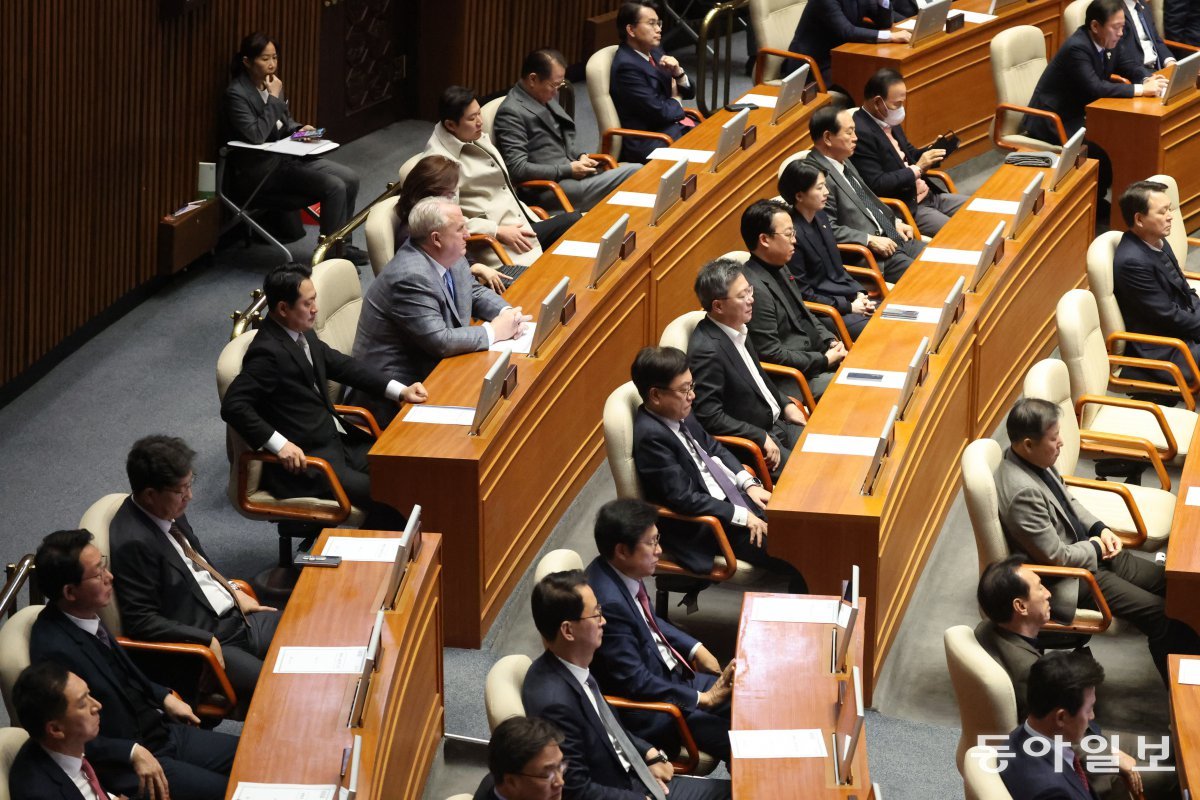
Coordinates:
987	705
1018	58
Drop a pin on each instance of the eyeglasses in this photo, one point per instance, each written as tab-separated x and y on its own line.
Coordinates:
790	233
599	613
653	541
556	85
103	570
654	23
742	296
556	771
684	391
185	489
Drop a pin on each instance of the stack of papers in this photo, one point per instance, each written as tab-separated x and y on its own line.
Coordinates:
760	100
290	147
1193	496
797	743
350	548
320	660
443	415
948	255
841	445
520	345
993	206
1189	671
283	791
794	609
638	199
680	154
570	247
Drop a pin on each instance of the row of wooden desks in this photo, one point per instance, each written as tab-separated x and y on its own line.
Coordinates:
498	495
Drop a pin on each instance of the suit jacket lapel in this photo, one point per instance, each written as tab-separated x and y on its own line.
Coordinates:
170	554
90	649
729	352
462	293
688	461
845	190
593	718
293	349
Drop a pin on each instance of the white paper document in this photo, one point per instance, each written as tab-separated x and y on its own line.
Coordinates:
352	549
288	147
1189	671
949	255
798	743
638	199
443	415
927	314
989	206
680	154
794	609
320	660
907	25
883	378
976	17
283	791
570	247
760	100
520	346
1193	496
840	445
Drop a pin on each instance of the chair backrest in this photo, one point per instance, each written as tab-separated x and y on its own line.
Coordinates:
488	113
788	160
1073	16
14	651
339	302
981	775
987	703
407	166
380	229
1018	56
1081	346
502	689
979	462
97	519
1100	255
1156	11
599	84
619	411
1178	236
1048	380
11	740
679	330
229	364
774	22
556	561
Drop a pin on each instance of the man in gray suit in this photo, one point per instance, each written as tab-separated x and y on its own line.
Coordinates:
855	213
537	138
419	309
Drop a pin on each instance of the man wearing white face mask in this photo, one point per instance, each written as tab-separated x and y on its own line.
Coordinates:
889	164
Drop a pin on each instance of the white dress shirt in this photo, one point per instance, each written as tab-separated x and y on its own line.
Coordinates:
74	768
738	337
741	514
217	595
580	674
1132	17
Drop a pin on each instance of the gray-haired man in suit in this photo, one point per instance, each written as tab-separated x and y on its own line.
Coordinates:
419	309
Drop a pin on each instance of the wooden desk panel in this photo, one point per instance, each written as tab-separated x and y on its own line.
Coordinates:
1183	549
1185	711
949	77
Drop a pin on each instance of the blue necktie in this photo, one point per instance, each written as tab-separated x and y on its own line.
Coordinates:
448	279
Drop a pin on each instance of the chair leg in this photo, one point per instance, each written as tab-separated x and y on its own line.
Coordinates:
662	604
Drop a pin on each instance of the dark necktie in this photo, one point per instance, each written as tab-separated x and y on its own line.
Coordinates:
93	781
302	343
644	600
871	204
1148	27
624	745
1083	778
103	636
716	470
451	292
199	560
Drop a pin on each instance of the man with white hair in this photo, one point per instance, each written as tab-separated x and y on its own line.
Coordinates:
419	309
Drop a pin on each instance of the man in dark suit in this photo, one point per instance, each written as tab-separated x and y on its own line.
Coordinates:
418	310
147	740
61	717
1141	46
525	762
825	24
782	329
683	468
1152	292
1181	21
887	161
604	761
536	136
642	656
734	396
857	215
646	84
279	400
169	589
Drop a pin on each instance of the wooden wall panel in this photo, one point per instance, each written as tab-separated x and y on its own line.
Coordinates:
108	108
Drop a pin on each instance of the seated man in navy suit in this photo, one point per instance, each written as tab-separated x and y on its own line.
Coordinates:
1142	49
647	85
825	24
61	716
525	762
604	761
643	657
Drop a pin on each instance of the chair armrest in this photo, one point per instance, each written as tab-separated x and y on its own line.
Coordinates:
1179	387
758	462
491	241
724	549
606	161
1165	341
685	734
1048	571
539	212
761	59
282	509
834	315
1173	45
902	211
244	588
1136	405
872	266
1122	446
1115	78
806	396
369	423
1193	276
607	137
944	178
1137	536
192	650
695	114
554	187
1001	108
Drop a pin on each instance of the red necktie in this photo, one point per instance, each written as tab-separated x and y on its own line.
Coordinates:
1082	775
644	600
93	781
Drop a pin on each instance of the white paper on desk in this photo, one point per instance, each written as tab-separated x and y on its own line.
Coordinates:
680	154
350	548
290	147
1193	496
888	379
443	415
798	743
639	199
990	206
320	660
760	100
794	609
1189	671
927	314
520	346
283	791
907	25
976	17
840	445
949	255
570	247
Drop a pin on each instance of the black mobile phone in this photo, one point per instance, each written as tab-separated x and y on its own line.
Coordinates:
309	560
735	107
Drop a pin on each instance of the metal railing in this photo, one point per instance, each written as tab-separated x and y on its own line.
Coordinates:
711	95
17	574
334	241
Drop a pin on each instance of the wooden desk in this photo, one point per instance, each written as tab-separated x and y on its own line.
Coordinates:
949	77
498	495
1185	711
296	730
818	518
1143	138
1183	549
788	688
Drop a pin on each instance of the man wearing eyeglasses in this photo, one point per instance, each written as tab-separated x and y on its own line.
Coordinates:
525	762
536	136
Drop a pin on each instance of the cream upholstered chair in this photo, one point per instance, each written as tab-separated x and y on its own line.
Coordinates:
1081	345
1018	56
11	741
340	293
981	774
773	23
1140	515
14	651
1073	16
488	113
380	230
556	561
502	689
987	704
980	460
1178	238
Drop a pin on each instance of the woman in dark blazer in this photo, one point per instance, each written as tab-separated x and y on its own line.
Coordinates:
817	263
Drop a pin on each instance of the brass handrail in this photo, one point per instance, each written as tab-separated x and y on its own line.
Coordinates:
727	10
334	240
250	316
17	575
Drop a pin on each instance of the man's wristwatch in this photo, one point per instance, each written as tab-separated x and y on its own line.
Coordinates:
660	758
